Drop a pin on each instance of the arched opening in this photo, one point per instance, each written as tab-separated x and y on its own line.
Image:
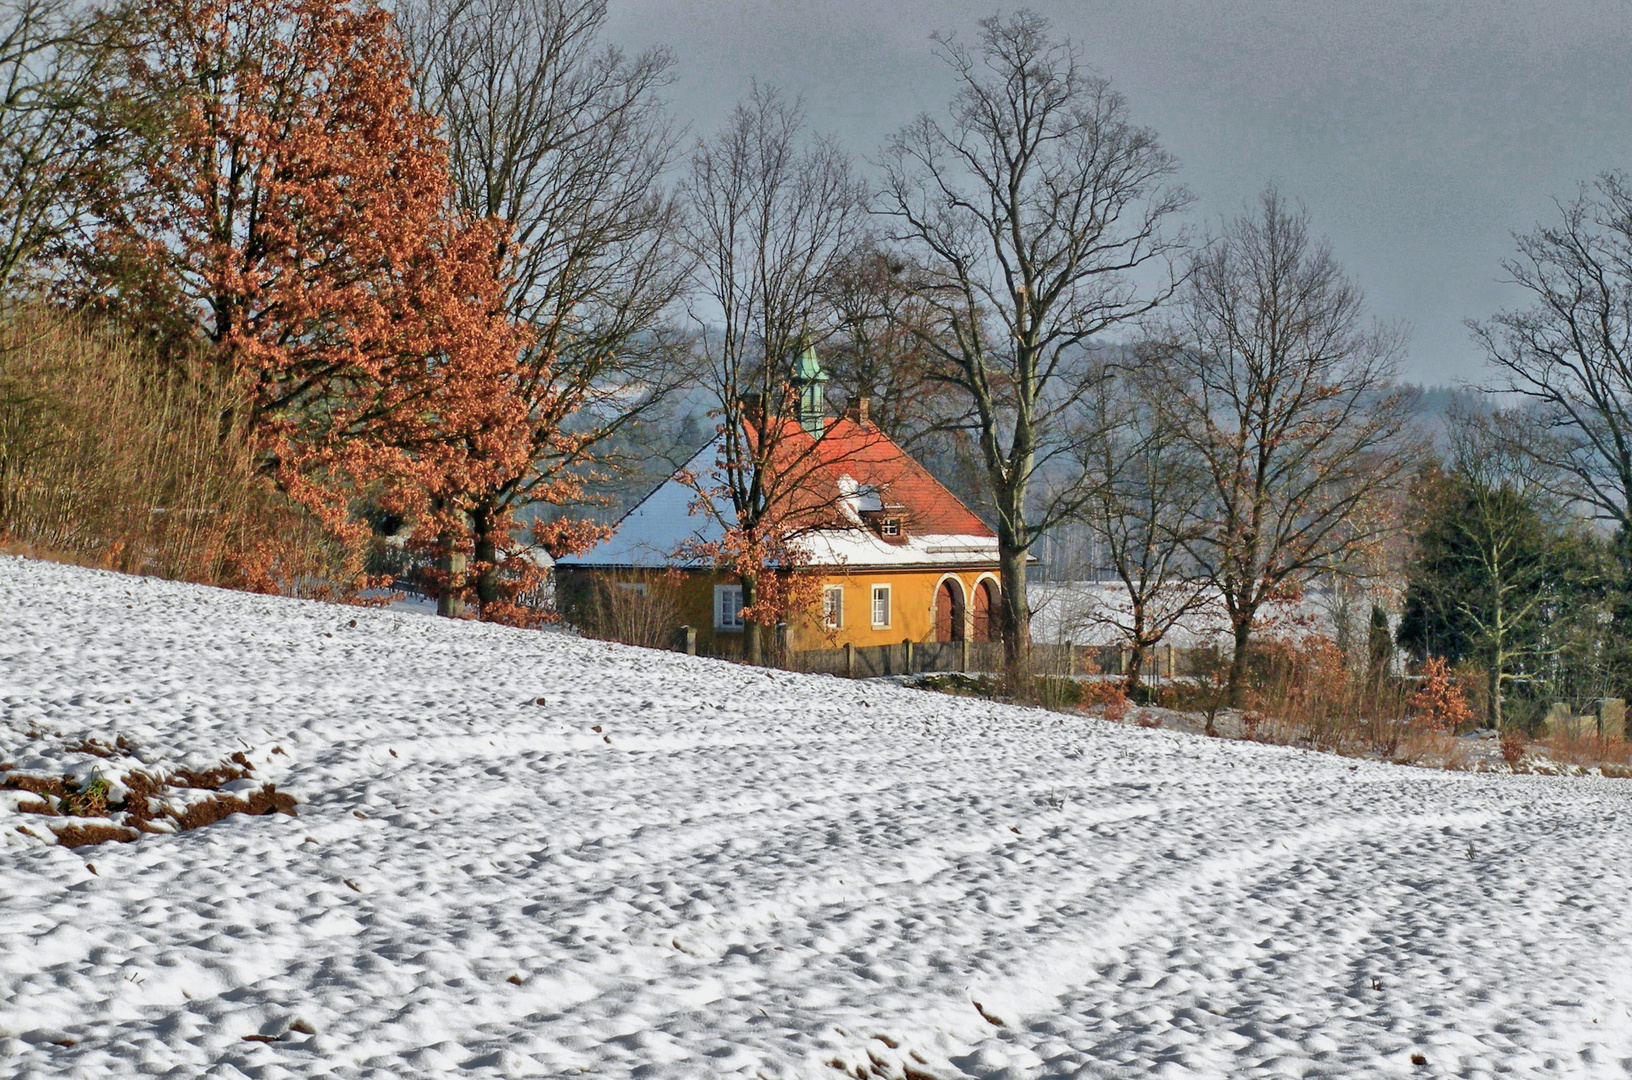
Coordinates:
985	622
950	616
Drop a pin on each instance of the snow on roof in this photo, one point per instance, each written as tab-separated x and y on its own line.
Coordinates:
661	523
853	469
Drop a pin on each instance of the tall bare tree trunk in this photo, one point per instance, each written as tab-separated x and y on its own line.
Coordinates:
1029	211
1241	632
753	641
1014	612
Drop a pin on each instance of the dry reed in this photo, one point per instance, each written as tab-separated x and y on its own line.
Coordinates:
107	459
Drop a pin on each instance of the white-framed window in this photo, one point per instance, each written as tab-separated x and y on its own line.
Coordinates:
728	607
637	588
881	606
833	607
890	527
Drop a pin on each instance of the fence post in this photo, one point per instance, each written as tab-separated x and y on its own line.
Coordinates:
783	641
963	655
1611	719
849	660
688	640
1172	662
906	648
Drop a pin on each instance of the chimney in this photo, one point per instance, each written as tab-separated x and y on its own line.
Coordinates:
753	409
859	410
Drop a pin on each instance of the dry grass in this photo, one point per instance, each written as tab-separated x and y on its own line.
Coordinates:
146	807
1585	750
108	460
1434	750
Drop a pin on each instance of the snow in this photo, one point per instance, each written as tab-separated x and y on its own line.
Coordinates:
661	524
1086	613
753	873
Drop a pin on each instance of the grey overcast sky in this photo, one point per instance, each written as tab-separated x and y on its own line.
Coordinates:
1420	134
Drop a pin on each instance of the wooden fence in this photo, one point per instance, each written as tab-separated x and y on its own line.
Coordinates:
915	657
911	658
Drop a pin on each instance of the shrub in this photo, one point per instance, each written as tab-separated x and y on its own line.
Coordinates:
643	611
1308	693
1438	704
1512	747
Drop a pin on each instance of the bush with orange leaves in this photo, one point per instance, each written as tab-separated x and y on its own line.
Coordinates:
1438	704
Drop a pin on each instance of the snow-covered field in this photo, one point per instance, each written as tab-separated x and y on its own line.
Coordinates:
676	867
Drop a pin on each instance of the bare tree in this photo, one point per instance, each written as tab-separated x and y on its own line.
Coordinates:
52	60
1570	353
771	216
1284	392
1142	511
877	349
567	140
1029	210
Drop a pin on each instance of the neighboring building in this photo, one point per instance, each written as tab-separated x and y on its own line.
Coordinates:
899	557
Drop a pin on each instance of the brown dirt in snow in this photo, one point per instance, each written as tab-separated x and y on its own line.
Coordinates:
145	808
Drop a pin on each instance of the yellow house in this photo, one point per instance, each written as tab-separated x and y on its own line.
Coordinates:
899	557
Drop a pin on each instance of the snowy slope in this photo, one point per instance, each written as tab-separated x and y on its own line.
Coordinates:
751	873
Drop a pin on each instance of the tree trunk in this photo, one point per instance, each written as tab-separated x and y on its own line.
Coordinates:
1241	629
486	555
451	604
753	647
1014	617
1133	678
1493	687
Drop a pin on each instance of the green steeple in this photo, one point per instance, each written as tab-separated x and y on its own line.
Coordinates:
809	377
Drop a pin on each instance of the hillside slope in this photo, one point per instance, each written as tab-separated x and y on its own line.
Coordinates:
676	867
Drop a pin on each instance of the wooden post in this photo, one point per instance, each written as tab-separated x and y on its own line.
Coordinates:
906	649
963	654
688	640
1611	719
849	660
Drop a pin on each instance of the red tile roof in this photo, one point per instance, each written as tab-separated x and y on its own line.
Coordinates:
873	460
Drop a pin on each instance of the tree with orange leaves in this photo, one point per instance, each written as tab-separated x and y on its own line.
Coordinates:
567	140
288	213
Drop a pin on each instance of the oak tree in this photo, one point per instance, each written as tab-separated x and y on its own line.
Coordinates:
287	212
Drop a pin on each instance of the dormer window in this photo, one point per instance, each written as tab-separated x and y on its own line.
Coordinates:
889	527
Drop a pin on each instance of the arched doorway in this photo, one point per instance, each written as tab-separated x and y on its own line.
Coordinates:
949	611
985	621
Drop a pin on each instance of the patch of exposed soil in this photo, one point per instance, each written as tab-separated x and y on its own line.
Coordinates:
149	803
